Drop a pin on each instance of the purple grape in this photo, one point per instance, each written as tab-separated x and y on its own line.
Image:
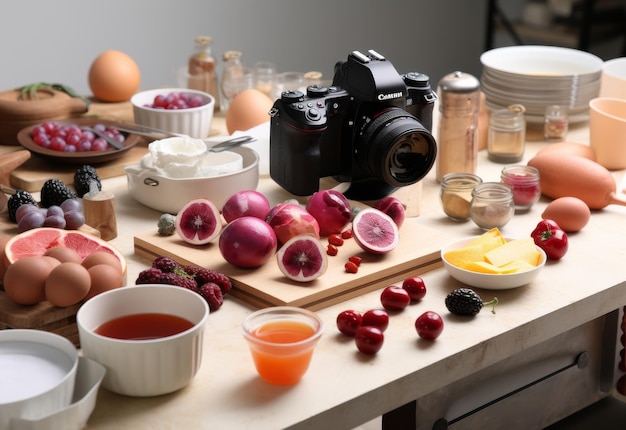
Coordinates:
55	210
74	219
30	220
54	221
71	205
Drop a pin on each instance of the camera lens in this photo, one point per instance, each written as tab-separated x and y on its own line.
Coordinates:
395	147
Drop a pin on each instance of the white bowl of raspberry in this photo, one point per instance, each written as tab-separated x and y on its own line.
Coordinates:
175	110
149	337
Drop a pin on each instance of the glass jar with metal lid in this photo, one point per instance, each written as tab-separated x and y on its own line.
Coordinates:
492	205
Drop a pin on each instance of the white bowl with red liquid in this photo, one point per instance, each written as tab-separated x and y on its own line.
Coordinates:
149	337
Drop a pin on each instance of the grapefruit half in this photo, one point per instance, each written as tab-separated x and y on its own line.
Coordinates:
37	241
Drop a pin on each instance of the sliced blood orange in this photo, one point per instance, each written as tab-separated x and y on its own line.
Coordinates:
37	241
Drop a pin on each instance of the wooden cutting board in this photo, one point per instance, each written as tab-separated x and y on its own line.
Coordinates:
417	252
31	175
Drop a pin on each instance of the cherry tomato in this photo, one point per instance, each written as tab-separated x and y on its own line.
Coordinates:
376	318
416	288
349	321
429	325
394	298
548	236
369	339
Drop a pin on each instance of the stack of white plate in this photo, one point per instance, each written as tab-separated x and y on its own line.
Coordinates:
541	76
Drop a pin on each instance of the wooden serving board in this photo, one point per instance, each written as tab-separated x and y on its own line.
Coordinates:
417	252
42	316
31	175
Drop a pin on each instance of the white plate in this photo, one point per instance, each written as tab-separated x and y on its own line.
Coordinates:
541	61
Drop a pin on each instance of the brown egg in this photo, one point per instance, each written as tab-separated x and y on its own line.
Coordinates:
67	284
570	213
248	109
104	277
569	148
3	264
101	257
114	76
24	280
63	254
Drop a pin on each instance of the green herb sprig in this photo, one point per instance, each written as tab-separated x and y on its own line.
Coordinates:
29	92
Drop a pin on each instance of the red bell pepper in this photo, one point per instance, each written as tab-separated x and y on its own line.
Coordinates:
549	237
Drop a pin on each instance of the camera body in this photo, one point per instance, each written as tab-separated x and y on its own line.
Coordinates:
371	127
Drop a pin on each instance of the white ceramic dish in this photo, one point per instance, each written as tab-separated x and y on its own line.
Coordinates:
76	415
193	122
151	367
489	281
171	194
37	371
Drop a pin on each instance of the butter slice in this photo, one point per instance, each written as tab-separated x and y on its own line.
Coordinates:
517	249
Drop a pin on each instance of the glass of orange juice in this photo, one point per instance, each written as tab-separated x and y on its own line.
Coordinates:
281	341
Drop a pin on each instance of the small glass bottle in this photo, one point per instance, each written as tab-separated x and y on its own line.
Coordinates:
525	182
507	135
456	194
492	205
235	78
555	124
459	104
201	68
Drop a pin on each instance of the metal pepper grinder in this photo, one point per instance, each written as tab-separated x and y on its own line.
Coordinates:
459	105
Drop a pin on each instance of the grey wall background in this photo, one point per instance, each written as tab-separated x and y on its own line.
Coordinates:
56	41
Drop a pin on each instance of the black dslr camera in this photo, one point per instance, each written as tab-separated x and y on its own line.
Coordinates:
371	128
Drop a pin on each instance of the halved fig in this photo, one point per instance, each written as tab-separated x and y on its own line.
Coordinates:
198	222
375	231
302	258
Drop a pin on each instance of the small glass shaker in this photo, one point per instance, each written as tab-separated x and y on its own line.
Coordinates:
507	134
456	194
459	104
525	182
556	124
492	205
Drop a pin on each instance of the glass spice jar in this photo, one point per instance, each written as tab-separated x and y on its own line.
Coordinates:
202	69
507	134
456	194
525	182
555	124
492	205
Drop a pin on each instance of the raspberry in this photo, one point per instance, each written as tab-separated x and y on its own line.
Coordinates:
203	276
181	281
149	276
212	293
464	301
165	264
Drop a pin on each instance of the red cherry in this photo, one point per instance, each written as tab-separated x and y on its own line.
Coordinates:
394	298
376	318
349	321
429	325
416	288
369	339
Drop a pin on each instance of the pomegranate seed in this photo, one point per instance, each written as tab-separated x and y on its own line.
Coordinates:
335	239
351	267
355	259
331	250
347	234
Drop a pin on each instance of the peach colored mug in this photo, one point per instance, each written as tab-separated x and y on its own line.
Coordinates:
613	80
607	131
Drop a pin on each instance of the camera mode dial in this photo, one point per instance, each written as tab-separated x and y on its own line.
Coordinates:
292	96
316	91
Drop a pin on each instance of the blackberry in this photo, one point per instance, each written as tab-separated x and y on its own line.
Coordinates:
83	177
18	199
54	192
179	280
465	301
